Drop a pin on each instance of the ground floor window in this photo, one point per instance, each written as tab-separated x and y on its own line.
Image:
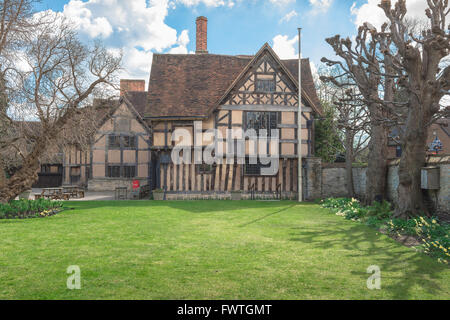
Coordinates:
114	171
75	175
121	172
88	172
129	171
254	169
204	168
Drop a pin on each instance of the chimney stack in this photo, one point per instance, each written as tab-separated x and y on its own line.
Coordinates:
131	85
202	35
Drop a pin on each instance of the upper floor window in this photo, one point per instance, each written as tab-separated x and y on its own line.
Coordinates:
129	141
113	141
117	141
262	120
264	85
122	125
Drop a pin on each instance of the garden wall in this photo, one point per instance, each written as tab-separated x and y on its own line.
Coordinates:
333	182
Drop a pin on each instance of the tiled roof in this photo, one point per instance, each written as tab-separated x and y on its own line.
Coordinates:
138	99
190	85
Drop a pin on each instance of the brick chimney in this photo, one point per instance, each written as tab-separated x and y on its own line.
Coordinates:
131	85
202	35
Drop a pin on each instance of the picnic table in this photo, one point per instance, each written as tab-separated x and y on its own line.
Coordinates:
74	191
53	194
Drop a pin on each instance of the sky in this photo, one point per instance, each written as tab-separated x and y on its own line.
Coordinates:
143	27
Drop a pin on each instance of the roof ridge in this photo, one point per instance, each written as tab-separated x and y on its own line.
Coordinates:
239	56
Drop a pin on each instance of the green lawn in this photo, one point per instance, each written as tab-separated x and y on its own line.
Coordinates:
208	250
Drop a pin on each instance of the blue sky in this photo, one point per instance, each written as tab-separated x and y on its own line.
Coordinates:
141	27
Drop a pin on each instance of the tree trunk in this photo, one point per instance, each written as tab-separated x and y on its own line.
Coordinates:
3	180
410	198
349	163
377	165
23	179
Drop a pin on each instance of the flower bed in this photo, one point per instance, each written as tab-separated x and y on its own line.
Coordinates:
26	209
433	235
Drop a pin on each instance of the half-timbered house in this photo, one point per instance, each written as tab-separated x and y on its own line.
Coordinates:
134	140
226	92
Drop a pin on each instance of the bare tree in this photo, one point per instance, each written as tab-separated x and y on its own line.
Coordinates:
354	123
351	117
58	76
14	21
361	67
425	83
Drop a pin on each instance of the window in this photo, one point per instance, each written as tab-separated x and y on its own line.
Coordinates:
114	171
265	85
204	168
88	173
122	125
129	171
75	175
254	169
129	141
114	141
126	172
262	120
117	141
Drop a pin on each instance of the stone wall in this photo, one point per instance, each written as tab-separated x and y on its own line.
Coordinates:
110	184
334	185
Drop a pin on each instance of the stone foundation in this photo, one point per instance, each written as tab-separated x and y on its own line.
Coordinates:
227	196
105	184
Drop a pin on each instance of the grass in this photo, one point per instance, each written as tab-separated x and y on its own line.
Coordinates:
208	250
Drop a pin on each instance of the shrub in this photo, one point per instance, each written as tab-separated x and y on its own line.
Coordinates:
351	209
29	209
380	210
434	235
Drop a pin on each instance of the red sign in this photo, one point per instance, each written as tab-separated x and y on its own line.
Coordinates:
136	184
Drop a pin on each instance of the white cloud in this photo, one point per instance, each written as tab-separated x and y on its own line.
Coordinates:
183	41
284	47
370	12
289	16
314	72
208	3
320	6
282	2
82	17
137	63
137	27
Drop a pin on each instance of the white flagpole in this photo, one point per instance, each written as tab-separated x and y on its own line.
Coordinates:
299	118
